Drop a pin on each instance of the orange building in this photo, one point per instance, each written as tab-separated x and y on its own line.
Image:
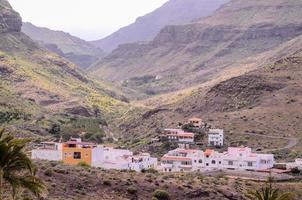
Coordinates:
75	151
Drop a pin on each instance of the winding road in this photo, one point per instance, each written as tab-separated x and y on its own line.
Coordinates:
291	141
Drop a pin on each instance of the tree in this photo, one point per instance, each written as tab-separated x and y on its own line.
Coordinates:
269	193
55	129
16	169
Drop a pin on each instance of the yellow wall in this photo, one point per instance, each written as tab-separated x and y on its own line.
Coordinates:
86	155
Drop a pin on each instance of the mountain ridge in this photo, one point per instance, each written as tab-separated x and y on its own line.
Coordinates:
146	27
76	50
39	88
185	55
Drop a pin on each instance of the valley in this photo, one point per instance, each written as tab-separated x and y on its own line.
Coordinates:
233	65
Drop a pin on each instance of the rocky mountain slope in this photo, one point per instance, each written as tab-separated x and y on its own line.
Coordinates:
74	49
260	109
174	12
39	88
240	35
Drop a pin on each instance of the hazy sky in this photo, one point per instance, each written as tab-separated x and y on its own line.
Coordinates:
88	19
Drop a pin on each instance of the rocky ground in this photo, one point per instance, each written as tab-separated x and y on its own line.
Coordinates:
76	183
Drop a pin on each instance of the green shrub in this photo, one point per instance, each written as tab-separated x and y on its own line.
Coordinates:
131	190
161	194
83	164
48	172
107	182
150	171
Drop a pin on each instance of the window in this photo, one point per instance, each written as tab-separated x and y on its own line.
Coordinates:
219	162
213	162
250	164
207	164
200	161
195	161
77	155
230	162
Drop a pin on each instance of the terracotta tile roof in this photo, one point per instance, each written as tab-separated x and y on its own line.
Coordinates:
208	152
182	134
186	150
175	158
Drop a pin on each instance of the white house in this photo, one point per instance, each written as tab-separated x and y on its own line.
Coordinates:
196	122
242	158
197	160
297	164
142	161
179	135
216	137
75	151
48	151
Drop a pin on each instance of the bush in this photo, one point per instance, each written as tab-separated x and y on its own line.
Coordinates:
48	172
161	194
107	182
295	171
83	164
131	190
150	171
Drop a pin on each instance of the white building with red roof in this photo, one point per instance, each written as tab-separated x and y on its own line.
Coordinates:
197	160
179	135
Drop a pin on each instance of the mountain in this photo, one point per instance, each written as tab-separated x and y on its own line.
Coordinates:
241	35
174	12
260	109
76	50
39	88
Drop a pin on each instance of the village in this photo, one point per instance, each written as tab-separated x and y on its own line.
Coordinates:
186	158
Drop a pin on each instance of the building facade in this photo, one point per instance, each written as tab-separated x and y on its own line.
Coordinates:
75	151
216	137
196	122
242	158
179	135
48	151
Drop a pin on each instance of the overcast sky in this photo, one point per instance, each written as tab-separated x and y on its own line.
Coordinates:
88	19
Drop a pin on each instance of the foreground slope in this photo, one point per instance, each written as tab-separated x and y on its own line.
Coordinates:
76	50
147	27
65	182
39	88
240	35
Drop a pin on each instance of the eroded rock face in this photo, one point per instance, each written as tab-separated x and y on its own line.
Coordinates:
10	21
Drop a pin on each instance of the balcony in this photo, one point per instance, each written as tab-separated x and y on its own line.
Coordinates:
185	166
166	165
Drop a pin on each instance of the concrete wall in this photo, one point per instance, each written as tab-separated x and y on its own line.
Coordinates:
45	154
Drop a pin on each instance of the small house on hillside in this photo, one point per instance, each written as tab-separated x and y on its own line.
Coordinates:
196	122
179	135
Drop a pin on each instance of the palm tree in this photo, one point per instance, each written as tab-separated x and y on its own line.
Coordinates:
16	168
269	193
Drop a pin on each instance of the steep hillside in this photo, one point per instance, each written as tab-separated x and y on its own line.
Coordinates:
261	109
76	50
240	35
39	88
174	12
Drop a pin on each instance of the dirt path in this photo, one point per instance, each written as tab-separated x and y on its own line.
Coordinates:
291	141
